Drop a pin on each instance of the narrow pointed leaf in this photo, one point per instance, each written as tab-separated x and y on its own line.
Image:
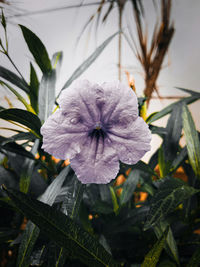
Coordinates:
34	88
179	159
170	247
27	169
192	141
174	129
71	207
57	61
31	232
170	194
37	49
114	200
88	61
21	136
15	148
73	198
129	186
152	258
188	91
168	109
14	79
20	97
47	95
3	20
63	230
158	130
23	117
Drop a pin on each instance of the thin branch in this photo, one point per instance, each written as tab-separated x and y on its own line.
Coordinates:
39	12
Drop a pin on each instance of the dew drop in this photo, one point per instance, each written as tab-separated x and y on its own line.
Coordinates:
74	120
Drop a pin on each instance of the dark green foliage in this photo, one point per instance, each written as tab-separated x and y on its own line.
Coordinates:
23	117
171	193
153	256
62	230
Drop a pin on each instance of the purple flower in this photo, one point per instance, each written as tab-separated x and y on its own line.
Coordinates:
95	127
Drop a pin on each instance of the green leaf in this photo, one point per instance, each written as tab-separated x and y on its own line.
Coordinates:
63	230
34	88
37	49
170	194
57	61
129	186
168	109
170	246
3	20
141	165
71	207
31	232
27	169
161	131
15	148
181	156
114	200
88	62
152	258
20	98
174	129
73	197
14	79
188	91
164	166
105	194
47	95
21	136
192	141
23	117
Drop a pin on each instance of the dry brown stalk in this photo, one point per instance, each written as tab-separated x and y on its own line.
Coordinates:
152	59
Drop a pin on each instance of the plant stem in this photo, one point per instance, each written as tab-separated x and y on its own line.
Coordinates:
5	52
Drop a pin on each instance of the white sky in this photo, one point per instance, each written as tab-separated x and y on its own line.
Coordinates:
59	31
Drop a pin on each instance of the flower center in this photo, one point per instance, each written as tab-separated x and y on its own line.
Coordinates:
98	126
98	132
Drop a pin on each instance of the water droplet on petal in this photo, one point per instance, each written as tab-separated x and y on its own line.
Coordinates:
74	120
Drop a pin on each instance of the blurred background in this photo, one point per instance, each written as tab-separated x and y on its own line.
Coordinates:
78	27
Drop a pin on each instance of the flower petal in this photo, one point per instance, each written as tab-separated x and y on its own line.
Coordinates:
63	135
82	97
96	163
132	141
120	103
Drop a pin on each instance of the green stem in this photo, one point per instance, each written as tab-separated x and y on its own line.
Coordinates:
6	53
